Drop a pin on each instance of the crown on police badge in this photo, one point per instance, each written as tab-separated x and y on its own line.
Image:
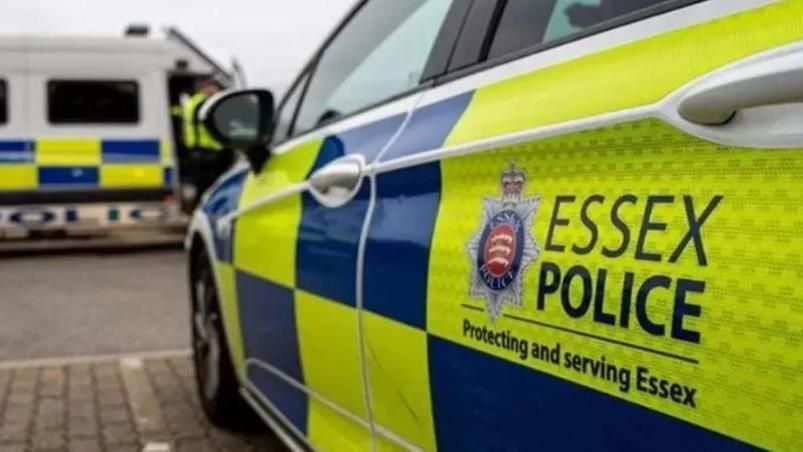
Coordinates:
512	183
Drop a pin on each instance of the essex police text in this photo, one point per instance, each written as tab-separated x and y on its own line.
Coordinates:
562	284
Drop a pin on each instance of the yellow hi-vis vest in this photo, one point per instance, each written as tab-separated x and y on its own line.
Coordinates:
195	133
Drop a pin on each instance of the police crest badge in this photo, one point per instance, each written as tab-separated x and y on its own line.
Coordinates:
503	247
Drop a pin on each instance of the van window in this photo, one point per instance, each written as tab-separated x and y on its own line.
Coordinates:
3	102
526	23
93	102
380	53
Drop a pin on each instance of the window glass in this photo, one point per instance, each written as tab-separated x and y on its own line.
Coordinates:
3	102
93	102
381	52
283	127
525	23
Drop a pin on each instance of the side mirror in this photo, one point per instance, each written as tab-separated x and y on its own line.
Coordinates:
241	120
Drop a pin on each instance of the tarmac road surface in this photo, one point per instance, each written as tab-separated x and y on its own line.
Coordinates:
91	304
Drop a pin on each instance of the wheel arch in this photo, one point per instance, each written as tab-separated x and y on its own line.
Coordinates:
199	243
200	240
195	252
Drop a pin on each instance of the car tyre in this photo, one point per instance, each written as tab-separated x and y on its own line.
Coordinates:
216	381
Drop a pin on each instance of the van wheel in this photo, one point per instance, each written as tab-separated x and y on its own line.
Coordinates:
217	384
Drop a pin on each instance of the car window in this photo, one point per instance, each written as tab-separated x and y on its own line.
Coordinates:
3	102
283	127
380	53
526	23
92	102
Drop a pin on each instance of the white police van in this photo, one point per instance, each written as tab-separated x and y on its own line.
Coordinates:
87	142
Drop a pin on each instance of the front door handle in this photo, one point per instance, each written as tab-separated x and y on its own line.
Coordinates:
772	81
336	183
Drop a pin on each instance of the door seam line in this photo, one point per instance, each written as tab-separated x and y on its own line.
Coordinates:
370	175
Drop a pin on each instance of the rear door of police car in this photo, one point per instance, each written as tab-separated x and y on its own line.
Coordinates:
587	235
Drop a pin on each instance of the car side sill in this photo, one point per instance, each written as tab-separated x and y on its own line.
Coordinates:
275	421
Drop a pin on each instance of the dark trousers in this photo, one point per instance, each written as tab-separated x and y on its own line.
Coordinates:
202	167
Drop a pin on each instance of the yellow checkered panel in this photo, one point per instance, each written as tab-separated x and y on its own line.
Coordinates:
291	336
399	383
18	177
231	315
329	349
278	225
128	175
65	163
69	152
329	429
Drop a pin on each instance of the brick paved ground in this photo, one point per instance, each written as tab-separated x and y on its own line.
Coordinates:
86	408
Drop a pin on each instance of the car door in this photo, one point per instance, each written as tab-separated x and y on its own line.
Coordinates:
586	237
294	262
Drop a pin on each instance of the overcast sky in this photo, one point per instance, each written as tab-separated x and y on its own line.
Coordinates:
271	38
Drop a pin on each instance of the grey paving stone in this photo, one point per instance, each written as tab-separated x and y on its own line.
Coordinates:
109	387
82	394
157	366
26	374
50	407
111	398
48	440
13	432
105	369
83	428
193	445
13	447
123	448
84	445
122	433
48	422
78	368
17	397
115	414
229	441
155	437
52	382
81	408
49	431
85	408
5	381
18	413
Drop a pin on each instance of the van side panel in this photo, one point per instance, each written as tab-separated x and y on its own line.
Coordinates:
134	155
67	175
17	169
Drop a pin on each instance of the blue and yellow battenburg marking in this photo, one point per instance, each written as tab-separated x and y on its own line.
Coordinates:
310	280
637	325
81	163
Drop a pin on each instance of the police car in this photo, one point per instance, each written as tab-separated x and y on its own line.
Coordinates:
515	225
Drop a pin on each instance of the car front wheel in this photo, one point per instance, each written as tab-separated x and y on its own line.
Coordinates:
217	384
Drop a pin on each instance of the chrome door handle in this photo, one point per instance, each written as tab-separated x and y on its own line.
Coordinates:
771	81
336	183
